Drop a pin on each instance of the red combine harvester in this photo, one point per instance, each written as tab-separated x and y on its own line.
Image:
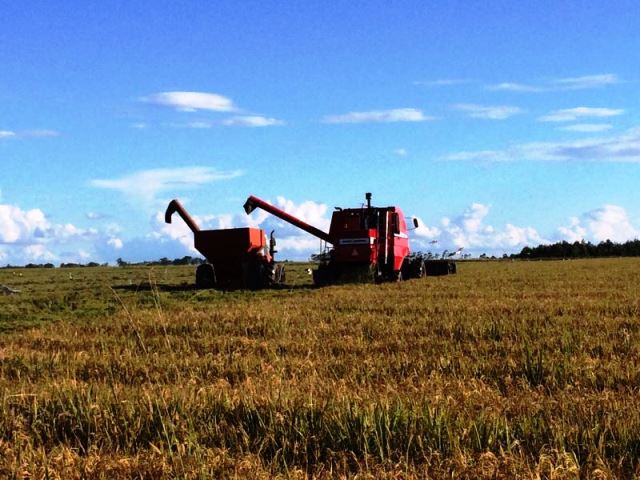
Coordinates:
237	257
369	243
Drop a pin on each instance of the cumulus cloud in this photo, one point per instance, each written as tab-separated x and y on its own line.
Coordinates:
488	112
572	114
610	222
559	84
143	187
624	147
471	232
425	232
192	101
380	116
28	236
20	226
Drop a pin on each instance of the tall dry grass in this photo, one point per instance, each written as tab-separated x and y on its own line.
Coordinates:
505	370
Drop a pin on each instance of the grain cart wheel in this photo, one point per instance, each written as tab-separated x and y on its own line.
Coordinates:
413	268
325	274
205	276
258	275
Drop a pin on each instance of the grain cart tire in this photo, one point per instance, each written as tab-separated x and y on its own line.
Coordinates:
453	268
205	276
413	268
325	274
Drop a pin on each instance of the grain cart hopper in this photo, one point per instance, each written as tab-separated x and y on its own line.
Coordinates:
236	257
369	243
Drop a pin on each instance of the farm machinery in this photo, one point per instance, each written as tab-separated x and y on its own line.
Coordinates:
368	243
237	258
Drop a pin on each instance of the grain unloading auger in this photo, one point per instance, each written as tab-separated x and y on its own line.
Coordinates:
368	243
237	257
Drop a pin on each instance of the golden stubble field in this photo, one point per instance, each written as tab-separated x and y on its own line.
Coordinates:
506	370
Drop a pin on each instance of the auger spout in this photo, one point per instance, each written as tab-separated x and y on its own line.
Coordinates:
176	206
254	202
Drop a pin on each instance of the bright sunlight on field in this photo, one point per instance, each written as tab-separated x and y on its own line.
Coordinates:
508	369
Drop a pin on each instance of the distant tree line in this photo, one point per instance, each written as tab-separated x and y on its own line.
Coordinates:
186	260
581	249
164	261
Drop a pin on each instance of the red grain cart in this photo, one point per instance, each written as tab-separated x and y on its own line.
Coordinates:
237	258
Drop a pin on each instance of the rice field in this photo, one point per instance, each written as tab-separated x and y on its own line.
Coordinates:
505	370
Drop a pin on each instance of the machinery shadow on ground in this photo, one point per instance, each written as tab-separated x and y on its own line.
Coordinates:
147	287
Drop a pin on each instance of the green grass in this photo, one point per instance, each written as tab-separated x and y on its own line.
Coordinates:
508	369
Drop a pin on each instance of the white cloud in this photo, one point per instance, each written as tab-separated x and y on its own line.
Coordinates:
471	232
192	101
587	127
20	226
574	232
378	116
95	215
495	112
199	124
572	114
624	147
610	222
40	133
424	231
236	121
143	187
5	134
38	254
115	243
28	236
252	121
559	84
515	87
587	81
401	152
445	82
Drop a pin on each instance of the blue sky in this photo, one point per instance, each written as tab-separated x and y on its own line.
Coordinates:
497	124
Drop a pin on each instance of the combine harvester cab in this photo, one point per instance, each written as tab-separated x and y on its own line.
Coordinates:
369	243
237	258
